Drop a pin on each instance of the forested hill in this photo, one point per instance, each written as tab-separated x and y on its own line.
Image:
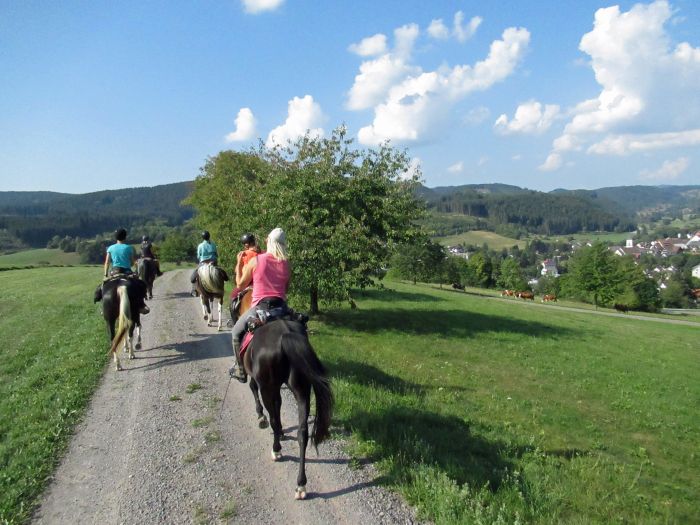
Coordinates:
562	211
35	217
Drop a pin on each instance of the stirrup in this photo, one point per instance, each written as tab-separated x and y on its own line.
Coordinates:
236	372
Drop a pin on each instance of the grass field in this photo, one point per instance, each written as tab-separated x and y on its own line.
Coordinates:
488	411
52	354
478	410
39	257
479	237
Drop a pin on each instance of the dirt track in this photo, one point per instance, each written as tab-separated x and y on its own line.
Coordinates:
153	449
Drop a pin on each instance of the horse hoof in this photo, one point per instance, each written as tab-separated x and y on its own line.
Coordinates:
138	346
300	493
206	317
262	422
132	356
276	456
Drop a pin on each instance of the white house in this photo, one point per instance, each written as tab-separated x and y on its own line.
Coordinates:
695	272
549	268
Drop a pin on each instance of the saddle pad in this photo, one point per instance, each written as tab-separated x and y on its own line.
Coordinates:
247	338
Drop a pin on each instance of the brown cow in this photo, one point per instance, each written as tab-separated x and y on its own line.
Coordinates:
549	297
526	295
508	293
695	293
621	308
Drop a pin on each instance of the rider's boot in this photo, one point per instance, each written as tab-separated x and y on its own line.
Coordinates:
238	370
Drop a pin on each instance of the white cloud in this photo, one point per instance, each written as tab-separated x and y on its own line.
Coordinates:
457	167
482	161
552	163
517	157
625	144
463	32
258	6
245	126
530	118
649	89
303	116
414	105
477	115
415	170
669	170
370	46
438	30
377	76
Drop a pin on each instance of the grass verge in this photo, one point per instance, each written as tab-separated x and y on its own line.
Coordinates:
54	349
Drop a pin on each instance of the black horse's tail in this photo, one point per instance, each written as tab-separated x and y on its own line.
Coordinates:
304	360
124	321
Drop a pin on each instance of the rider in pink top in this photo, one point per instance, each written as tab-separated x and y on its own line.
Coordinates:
270	274
270	278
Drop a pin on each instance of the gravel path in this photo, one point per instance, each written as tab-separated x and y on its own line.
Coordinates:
157	447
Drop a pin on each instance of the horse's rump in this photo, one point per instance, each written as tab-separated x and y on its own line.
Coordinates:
211	278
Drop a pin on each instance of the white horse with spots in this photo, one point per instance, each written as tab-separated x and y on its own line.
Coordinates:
210	286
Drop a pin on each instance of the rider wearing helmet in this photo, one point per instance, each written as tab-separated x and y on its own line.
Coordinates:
121	257
148	253
206	253
250	250
269	272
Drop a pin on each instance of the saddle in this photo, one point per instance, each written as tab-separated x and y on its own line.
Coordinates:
264	316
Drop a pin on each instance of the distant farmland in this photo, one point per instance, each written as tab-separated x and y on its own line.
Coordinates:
39	257
479	237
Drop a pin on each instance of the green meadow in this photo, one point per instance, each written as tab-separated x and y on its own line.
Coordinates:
476	409
53	348
479	237
483	410
39	257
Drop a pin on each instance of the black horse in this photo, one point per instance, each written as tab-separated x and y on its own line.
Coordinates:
121	299
147	273
281	353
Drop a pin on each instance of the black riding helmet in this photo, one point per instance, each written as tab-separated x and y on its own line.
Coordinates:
120	234
247	238
144	238
205	235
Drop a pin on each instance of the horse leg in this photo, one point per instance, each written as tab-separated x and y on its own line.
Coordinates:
205	308
273	402
130	339
138	336
221	300
262	420
302	394
117	364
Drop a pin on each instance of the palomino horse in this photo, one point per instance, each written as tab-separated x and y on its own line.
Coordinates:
210	286
280	353
147	273
120	307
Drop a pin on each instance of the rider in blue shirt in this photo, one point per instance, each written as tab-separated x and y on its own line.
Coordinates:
206	252
122	256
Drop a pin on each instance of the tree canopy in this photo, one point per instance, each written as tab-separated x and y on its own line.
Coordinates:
343	208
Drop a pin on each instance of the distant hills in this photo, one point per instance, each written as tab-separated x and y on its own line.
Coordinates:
34	217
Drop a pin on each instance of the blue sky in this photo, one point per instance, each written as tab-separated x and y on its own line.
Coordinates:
544	95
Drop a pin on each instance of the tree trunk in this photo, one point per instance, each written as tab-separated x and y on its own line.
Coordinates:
313	299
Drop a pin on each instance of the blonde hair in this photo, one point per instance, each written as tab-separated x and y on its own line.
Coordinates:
277	244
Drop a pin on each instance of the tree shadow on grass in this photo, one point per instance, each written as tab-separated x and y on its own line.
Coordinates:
387	294
367	375
445	323
414	436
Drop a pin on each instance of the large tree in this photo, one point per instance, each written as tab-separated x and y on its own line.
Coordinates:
343	208
597	272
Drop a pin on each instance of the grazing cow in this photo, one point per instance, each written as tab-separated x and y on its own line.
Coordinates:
507	293
458	286
695	293
526	295
621	308
549	297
